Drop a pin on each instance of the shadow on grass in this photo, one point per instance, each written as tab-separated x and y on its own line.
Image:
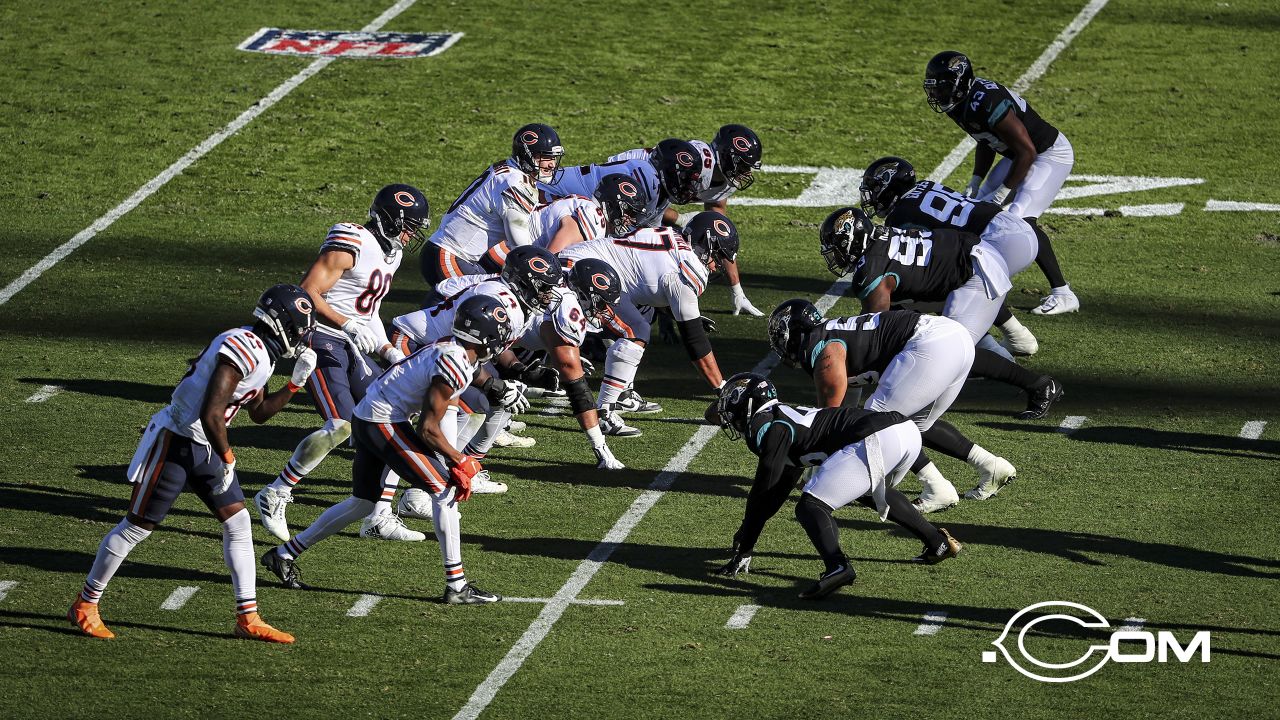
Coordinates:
59	624
1202	443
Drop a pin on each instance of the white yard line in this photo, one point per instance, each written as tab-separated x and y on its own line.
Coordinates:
364	605
178	597
45	393
1072	423
932	623
741	617
1232	206
184	162
6	586
541	626
577	601
1252	430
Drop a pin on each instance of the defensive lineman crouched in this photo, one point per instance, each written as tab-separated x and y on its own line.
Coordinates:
430	380
185	447
860	455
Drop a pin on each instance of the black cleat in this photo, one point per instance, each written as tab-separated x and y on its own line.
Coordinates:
469	595
1039	401
949	548
286	570
829	582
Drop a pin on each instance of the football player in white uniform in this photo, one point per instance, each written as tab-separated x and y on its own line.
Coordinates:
614	210
428	381
658	268
728	163
348	281
491	216
185	447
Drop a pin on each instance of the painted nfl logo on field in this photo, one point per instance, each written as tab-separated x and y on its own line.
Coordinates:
342	43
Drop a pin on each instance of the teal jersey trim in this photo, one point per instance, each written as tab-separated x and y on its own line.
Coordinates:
817	350
863	295
999	112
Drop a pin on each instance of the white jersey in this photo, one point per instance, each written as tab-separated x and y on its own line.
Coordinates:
656	266
709	191
359	291
474	222
247	354
567	320
428	325
547	220
583	179
400	391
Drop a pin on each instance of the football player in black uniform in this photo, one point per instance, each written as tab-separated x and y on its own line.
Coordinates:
859	454
920	363
952	266
1037	158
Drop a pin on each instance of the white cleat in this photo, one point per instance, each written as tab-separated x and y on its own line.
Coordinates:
270	503
1020	341
389	526
415	503
482	484
612	424
936	503
517	426
506	439
998	474
631	402
1058	303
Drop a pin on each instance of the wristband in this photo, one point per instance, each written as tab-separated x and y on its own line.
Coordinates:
228	457
292	388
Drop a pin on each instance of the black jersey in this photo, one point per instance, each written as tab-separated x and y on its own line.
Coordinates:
870	341
927	264
987	103
934	206
788	438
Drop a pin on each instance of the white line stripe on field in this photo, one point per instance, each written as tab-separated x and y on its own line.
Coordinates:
1072	423
178	598
541	626
576	601
6	586
1033	73
184	162
1232	206
741	617
1132	624
45	393
1252	430
364	605
932	623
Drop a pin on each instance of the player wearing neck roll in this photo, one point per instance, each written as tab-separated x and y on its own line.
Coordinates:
658	268
920	362
968	274
348	281
491	217
428	381
729	163
859	455
185	447
1036	157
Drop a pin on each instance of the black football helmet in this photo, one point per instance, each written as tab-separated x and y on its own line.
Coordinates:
883	182
623	201
712	237
286	316
597	286
534	141
789	323
738	152
483	321
845	235
679	169
947	79
397	209
742	396
533	273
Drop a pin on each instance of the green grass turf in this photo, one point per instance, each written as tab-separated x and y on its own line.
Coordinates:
1154	508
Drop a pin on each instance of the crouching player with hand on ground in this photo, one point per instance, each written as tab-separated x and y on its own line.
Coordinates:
430	380
185	447
859	454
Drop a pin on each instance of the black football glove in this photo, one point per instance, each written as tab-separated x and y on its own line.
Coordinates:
541	376
708	324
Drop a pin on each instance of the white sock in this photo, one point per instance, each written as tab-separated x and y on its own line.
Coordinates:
933	483
1064	290
312	451
237	550
621	362
112	551
329	523
1012	325
448	526
979	458
482	442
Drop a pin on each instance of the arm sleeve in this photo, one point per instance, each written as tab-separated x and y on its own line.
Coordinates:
516	223
772	485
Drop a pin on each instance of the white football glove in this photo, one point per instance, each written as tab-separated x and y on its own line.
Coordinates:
228	477
588	367
975	183
738	564
303	367
513	399
866	378
741	303
999	195
605	459
362	335
392	354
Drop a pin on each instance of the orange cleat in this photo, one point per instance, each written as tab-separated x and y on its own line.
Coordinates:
84	615
251	626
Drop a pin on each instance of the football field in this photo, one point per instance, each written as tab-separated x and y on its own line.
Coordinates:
158	179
